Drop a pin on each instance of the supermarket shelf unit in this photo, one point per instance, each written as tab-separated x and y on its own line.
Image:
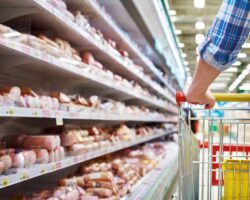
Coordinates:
9	47
42	169
48	67
83	40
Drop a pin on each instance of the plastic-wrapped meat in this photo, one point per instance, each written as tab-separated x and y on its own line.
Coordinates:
42	155
99	176
77	149
7	162
101	192
49	142
89	197
73	181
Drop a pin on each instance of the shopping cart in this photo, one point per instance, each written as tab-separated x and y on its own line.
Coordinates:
216	166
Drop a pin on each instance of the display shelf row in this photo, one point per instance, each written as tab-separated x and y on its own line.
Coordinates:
156	183
40	169
83	40
110	27
58	68
84	114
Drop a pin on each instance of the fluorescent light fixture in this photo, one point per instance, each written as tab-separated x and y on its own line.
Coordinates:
243	87
181	45
226	74
223	78
178	32
199	38
232	69
184	55
199	3
242	55
200	25
218	85
246	45
186	62
245	72
188	69
172	12
173	18
237	63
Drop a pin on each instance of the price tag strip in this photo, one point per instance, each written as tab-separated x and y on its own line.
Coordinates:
36	170
7	111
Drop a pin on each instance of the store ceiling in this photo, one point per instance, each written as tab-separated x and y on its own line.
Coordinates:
184	20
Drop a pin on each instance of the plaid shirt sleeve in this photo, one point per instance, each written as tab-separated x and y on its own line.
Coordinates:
227	34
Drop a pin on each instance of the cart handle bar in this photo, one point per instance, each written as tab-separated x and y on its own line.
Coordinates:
233	97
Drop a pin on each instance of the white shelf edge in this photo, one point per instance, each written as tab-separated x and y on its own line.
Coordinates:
84	114
42	57
55	13
42	169
152	184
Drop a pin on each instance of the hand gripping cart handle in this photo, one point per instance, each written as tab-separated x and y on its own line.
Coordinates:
219	170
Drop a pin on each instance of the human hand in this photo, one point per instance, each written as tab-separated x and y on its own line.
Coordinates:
206	99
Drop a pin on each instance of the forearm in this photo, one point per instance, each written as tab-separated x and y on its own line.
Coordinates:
204	75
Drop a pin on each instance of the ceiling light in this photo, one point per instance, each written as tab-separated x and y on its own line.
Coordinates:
246	45
181	45
188	69
223	78
242	55
226	74
245	72
178	32
173	18
242	87
237	63
186	63
199	3
232	69
200	25
199	38
184	55
218	85
172	12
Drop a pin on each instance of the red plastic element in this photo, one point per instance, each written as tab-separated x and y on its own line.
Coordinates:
180	98
229	149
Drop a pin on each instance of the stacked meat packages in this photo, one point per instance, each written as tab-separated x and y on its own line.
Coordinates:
110	180
27	98
23	151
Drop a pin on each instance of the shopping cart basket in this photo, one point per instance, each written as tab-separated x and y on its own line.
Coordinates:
215	164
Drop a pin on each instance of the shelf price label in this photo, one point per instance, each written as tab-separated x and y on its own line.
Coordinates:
42	171
11	111
59	120
5	182
24	176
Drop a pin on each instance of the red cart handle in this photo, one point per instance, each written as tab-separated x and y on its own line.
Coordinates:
180	98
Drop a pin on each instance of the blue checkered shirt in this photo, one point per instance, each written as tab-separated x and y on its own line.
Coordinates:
227	34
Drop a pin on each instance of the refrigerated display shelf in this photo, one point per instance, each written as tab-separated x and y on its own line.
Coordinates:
84	114
82	39
115	32
42	169
51	63
157	182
